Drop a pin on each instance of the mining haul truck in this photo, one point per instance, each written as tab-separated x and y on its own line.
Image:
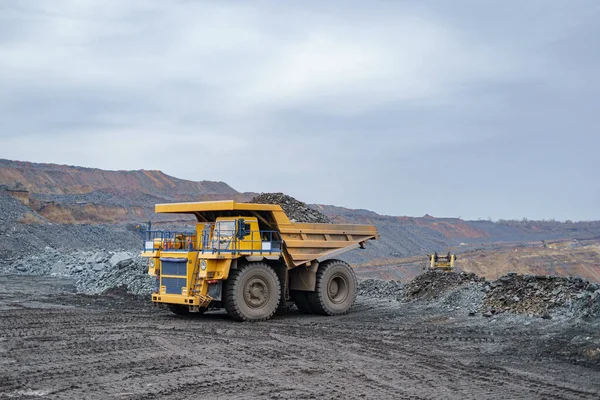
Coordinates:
251	259
442	263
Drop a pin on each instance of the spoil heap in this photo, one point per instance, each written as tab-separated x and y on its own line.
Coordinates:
25	233
296	210
432	284
379	288
539	295
94	272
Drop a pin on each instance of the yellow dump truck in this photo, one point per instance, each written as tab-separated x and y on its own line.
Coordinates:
442	263
251	259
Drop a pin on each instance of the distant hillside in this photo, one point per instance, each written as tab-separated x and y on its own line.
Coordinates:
64	179
70	194
455	231
449	227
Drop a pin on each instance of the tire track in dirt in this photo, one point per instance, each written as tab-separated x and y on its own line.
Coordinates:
106	348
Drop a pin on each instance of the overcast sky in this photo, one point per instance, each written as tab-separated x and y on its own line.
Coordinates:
457	108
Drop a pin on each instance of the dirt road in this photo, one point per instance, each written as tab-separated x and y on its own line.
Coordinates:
56	344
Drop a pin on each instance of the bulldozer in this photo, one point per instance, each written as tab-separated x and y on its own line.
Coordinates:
442	263
250	259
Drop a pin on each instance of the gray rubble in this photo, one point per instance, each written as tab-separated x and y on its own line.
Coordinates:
296	211
93	272
433	284
379	288
24	233
540	296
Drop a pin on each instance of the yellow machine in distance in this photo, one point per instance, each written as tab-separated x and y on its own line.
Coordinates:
250	259
443	263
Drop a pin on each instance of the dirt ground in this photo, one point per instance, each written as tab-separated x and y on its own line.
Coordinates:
57	344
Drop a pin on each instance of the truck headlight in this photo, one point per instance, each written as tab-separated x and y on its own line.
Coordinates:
203	265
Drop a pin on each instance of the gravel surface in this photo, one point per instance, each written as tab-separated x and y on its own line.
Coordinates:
60	345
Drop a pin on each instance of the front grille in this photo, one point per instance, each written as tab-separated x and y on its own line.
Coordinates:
174	285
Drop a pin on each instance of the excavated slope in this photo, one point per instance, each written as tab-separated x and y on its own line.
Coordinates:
64	179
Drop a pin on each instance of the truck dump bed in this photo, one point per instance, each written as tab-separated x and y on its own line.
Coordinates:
303	242
308	242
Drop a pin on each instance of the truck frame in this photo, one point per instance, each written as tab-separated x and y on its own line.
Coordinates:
251	259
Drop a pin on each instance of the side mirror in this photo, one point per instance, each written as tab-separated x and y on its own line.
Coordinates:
242	229
240	233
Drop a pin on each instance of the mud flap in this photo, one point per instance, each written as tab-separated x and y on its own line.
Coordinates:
304	278
215	290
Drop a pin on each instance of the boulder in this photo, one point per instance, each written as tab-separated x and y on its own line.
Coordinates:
98	267
97	257
118	257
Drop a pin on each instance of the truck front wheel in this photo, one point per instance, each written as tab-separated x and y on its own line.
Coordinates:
253	292
335	289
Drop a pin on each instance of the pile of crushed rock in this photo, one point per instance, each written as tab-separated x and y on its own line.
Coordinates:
297	211
539	295
432	284
379	288
516	294
94	272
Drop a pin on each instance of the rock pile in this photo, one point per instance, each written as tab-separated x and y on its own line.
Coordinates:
379	288
20	240
432	284
296	210
94	272
539	295
544	296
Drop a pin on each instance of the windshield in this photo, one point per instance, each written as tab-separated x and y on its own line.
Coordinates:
223	235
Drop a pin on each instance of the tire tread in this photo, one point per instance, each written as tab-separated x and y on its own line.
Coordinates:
315	299
231	302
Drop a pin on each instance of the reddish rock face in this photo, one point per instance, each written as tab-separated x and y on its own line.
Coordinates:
64	179
72	195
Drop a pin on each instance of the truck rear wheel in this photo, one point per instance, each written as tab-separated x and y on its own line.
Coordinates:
253	292
335	290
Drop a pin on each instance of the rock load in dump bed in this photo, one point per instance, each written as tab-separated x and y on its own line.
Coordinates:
539	295
297	211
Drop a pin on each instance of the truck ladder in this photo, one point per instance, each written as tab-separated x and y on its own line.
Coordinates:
204	301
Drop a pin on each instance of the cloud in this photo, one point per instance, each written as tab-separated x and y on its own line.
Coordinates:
332	102
246	63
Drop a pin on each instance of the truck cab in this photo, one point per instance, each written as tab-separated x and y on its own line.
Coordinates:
190	266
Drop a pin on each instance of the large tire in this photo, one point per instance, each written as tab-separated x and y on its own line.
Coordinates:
335	290
253	292
301	300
